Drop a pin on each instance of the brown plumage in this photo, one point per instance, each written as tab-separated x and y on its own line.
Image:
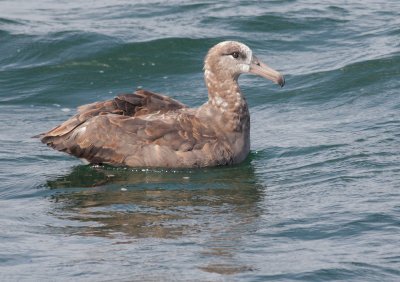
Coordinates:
145	129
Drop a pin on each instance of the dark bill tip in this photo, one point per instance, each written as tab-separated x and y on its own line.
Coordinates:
281	81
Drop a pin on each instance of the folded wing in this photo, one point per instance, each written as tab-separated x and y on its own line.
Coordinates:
140	129
139	103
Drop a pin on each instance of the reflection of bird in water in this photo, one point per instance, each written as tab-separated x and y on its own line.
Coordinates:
83	176
145	129
146	210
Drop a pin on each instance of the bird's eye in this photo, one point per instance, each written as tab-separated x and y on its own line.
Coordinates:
235	55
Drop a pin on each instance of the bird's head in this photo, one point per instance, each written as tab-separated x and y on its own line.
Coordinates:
229	59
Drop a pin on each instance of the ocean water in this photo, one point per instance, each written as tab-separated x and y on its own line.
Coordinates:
318	199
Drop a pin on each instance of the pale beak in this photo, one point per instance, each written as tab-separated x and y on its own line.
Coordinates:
259	68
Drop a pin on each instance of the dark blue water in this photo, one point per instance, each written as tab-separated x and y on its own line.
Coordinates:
317	200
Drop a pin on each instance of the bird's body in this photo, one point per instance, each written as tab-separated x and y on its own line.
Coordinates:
145	129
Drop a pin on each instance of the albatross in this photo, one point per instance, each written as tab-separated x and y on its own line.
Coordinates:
146	129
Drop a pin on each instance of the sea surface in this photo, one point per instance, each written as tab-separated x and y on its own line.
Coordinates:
318	199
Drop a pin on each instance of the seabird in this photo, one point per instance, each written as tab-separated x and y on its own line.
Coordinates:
146	129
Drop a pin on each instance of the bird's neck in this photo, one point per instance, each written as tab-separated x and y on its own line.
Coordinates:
225	97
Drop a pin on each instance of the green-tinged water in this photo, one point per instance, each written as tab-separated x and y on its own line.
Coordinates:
318	198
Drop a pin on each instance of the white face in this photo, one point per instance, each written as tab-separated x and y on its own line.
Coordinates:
235	56
231	58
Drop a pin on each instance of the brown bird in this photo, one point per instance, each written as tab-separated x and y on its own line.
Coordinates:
146	129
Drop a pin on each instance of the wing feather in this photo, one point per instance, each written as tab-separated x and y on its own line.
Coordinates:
133	141
139	103
142	129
